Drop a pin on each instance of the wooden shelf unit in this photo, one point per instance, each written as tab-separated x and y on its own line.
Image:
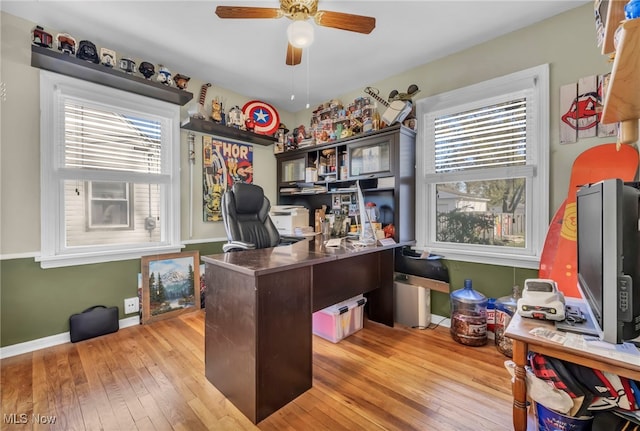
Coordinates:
612	17
212	128
622	100
54	61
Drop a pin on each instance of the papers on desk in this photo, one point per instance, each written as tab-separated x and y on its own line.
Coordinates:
386	241
363	243
549	335
626	352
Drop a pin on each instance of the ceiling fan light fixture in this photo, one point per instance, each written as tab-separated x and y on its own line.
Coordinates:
300	34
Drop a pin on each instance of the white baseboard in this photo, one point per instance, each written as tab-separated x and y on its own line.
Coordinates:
53	340
440	321
129	321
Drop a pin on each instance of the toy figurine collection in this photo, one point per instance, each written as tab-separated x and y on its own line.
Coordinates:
87	50
329	121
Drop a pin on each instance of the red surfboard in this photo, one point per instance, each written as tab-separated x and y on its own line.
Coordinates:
559	255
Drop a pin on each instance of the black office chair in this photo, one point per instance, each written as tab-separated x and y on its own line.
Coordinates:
245	213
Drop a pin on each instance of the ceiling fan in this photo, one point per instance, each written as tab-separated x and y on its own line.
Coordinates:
300	32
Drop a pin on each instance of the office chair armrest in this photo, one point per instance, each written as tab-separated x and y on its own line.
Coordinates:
237	245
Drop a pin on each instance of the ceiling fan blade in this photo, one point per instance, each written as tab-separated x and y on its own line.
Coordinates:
345	21
294	55
248	12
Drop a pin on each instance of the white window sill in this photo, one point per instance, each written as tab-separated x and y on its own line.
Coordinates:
511	260
102	256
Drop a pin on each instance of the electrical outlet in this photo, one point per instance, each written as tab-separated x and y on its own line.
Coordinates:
131	305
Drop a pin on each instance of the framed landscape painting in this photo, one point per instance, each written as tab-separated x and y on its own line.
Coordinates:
170	285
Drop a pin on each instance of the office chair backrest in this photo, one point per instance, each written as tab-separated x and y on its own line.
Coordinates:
245	213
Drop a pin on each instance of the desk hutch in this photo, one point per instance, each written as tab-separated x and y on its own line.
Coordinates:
383	161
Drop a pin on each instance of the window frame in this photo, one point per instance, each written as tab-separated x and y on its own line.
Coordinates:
54	88
534	84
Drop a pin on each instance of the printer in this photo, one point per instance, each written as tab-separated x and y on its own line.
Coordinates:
287	218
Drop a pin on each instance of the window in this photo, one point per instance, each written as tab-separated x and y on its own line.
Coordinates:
110	205
482	170
109	173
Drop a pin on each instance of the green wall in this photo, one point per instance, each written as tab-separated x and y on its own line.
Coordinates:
37	302
493	281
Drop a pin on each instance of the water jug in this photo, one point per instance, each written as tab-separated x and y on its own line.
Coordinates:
469	316
506	307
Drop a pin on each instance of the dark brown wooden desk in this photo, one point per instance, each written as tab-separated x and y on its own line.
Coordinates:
258	335
523	341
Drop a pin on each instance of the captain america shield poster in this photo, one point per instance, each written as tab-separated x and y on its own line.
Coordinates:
264	116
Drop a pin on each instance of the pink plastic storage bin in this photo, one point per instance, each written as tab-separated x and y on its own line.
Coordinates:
340	320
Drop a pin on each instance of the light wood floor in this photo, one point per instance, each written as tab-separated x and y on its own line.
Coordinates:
151	377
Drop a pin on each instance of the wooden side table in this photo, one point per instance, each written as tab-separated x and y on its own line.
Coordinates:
524	342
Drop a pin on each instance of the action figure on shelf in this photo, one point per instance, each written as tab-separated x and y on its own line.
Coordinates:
66	43
107	57
249	124
128	65
281	136
147	69
164	76
41	38
410	120
300	134
356	126
181	81
236	118
290	144
87	51
216	111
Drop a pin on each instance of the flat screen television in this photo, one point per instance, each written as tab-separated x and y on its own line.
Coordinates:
608	241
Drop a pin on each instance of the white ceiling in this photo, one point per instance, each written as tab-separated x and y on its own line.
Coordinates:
247	56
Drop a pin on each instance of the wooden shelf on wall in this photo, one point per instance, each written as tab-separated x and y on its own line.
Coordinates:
54	61
622	101
211	128
612	15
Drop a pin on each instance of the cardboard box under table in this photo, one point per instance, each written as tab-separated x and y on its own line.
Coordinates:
340	320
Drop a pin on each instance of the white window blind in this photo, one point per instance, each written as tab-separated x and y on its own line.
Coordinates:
490	136
105	140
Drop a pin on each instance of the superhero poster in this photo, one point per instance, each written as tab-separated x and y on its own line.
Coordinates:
223	164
